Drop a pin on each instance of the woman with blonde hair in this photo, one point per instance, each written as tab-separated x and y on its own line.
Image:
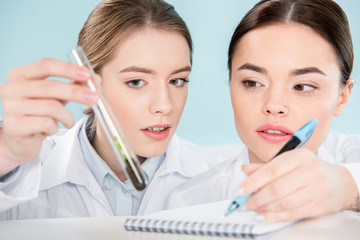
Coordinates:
142	52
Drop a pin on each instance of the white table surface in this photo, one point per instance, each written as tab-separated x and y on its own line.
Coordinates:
344	225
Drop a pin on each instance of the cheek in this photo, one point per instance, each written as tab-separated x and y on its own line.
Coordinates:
325	118
323	109
128	117
244	108
181	104
178	99
127	109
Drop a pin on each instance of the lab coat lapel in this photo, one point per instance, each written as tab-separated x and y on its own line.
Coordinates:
65	163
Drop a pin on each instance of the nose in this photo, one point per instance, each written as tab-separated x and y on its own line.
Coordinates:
275	106
161	102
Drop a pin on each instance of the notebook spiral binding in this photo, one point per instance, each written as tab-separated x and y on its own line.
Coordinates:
187	227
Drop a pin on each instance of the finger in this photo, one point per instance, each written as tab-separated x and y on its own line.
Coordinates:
41	108
49	89
294	200
281	187
25	126
251	168
279	166
305	211
24	139
49	67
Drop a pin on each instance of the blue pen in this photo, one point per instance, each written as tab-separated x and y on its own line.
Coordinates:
299	138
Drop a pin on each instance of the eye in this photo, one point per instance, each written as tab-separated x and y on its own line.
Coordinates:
304	88
251	84
178	82
136	83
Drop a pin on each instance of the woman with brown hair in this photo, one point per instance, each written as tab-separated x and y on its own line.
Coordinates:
142	52
290	61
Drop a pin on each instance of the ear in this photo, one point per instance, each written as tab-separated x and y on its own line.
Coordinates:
344	97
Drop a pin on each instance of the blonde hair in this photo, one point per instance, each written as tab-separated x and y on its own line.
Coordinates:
113	20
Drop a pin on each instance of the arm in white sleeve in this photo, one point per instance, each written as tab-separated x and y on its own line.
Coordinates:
351	154
21	184
343	150
352	164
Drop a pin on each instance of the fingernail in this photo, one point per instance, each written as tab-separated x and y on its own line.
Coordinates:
83	72
89	96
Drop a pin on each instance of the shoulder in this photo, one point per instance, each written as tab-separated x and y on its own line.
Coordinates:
212	154
341	147
337	141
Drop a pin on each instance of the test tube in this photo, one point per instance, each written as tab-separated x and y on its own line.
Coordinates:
106	116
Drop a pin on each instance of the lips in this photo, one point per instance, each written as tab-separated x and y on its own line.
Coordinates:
157	132
274	133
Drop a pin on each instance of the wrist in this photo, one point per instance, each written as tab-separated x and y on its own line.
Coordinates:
352	193
7	161
356	206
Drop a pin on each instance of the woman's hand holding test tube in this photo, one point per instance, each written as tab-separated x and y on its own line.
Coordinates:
33	105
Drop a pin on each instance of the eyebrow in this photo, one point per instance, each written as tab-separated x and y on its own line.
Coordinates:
252	67
184	69
149	71
137	69
296	72
308	70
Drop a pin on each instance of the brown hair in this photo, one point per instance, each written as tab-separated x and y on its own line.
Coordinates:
113	20
323	16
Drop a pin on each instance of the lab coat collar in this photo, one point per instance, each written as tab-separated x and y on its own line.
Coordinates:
65	162
187	158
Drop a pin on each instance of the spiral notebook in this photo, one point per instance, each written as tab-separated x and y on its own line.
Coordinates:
204	219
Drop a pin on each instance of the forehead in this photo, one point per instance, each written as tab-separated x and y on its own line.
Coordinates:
286	42
152	48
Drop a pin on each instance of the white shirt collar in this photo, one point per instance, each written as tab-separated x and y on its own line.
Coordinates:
66	161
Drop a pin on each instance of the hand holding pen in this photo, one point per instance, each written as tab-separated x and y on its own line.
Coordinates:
297	184
298	139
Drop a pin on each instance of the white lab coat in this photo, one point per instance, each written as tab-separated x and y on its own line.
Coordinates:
220	182
58	182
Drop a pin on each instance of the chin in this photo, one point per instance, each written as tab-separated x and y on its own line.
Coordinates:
152	152
260	157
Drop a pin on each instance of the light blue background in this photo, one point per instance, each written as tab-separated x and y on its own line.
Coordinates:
34	29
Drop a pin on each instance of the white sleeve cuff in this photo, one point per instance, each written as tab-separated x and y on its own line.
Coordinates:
22	186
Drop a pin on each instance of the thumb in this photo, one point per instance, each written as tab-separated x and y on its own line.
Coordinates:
251	168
